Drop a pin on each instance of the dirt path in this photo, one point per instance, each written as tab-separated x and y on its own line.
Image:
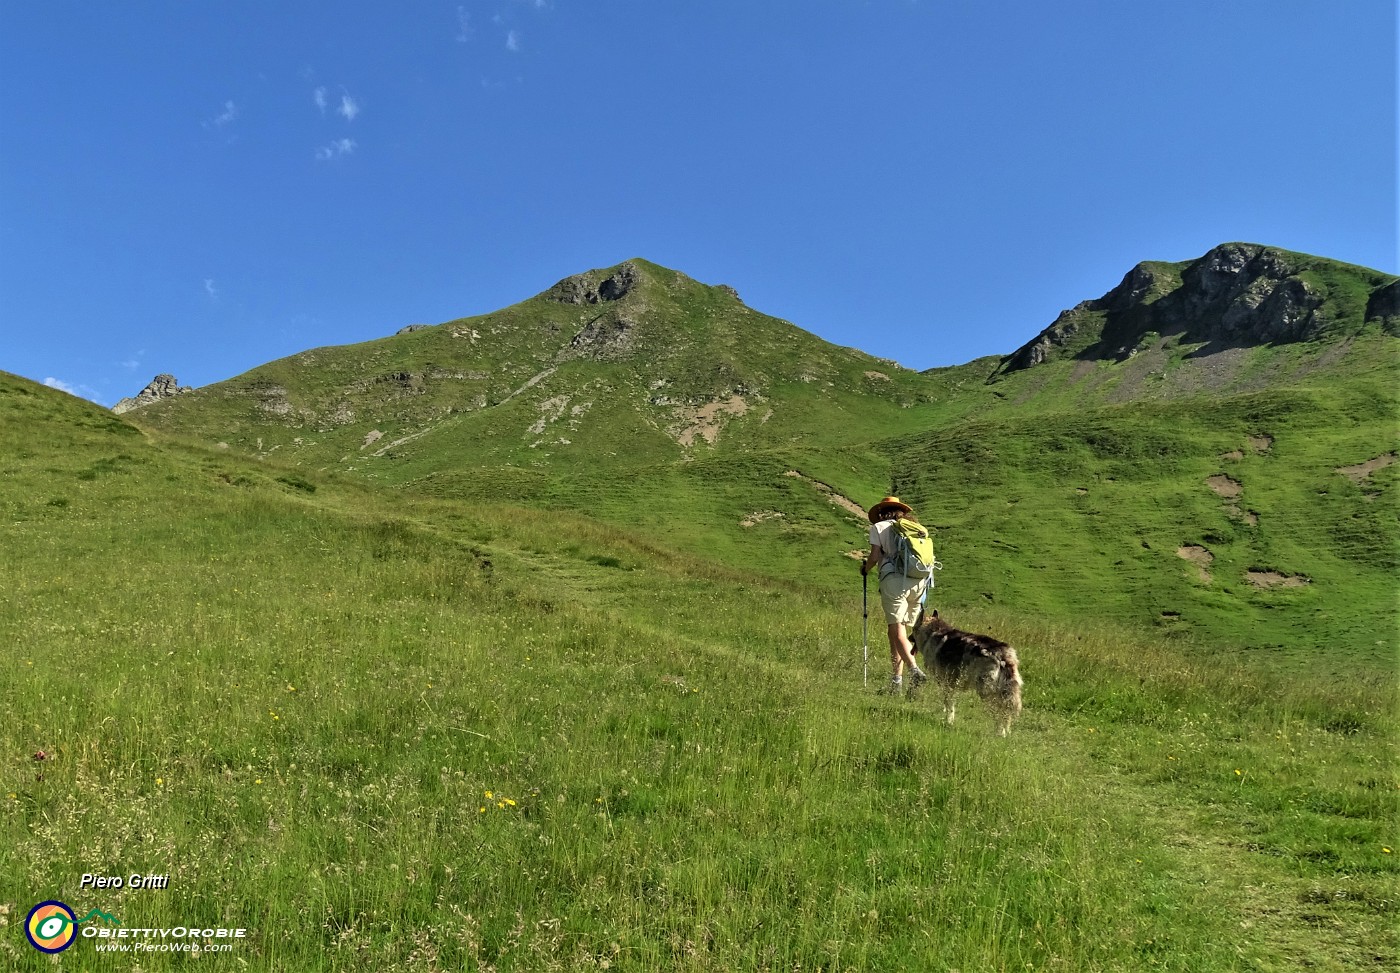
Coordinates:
834	498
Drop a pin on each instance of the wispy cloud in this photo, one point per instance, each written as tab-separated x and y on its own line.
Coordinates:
349	108
336	149
225	117
81	391
464	25
513	41
319	96
210	289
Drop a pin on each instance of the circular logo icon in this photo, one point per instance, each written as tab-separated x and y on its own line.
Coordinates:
51	927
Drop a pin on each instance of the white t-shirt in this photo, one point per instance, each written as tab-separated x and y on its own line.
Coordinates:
879	538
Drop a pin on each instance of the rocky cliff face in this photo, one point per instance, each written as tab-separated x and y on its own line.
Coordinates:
1383	308
1247	294
588	288
1238	294
160	387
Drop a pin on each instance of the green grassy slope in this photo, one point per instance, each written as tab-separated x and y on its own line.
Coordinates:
1067	488
391	731
1238	294
621	382
386	731
1070	514
1089	514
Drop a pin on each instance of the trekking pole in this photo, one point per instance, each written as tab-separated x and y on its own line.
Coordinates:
865	625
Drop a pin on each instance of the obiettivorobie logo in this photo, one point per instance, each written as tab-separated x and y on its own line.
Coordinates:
51	927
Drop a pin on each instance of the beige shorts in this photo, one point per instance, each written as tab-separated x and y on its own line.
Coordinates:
900	597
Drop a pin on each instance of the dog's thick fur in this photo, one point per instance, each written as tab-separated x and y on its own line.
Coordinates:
961	660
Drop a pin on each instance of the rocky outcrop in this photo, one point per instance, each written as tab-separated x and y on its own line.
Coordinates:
1237	295
160	387
1384	307
1244	294
608	337
1143	284
590	289
1043	346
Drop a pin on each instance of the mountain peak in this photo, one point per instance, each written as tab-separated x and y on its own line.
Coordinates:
1237	294
597	286
161	387
610	284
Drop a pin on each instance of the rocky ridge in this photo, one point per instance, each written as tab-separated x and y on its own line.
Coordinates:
1238	294
163	386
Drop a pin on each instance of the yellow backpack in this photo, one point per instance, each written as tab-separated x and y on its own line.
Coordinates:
913	549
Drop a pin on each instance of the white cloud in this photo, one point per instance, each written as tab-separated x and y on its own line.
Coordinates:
348	107
513	40
464	25
319	96
336	149
210	289
81	391
224	117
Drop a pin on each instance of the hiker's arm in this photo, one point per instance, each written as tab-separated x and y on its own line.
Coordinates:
871	559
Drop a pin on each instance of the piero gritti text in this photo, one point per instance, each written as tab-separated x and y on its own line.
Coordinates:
135	881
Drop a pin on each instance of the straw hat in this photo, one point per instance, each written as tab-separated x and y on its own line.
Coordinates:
887	504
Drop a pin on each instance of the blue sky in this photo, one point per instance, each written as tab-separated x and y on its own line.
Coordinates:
201	187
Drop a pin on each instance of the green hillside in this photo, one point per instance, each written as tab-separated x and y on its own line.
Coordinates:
1263	520
1237	296
659	371
385	729
1121	487
533	640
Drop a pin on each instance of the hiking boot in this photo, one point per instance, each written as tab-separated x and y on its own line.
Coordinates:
894	688
917	678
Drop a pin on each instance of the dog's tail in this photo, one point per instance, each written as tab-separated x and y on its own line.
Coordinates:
1010	665
1007	698
1009	675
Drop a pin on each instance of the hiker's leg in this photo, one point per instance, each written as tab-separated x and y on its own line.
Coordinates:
900	611
900	648
896	663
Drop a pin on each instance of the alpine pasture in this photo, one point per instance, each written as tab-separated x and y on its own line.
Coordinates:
406	735
475	698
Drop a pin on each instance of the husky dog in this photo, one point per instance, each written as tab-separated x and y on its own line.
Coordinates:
961	660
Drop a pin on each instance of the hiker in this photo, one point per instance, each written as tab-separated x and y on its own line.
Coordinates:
900	596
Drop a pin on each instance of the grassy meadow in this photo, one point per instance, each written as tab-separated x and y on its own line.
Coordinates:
1109	500
392	731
